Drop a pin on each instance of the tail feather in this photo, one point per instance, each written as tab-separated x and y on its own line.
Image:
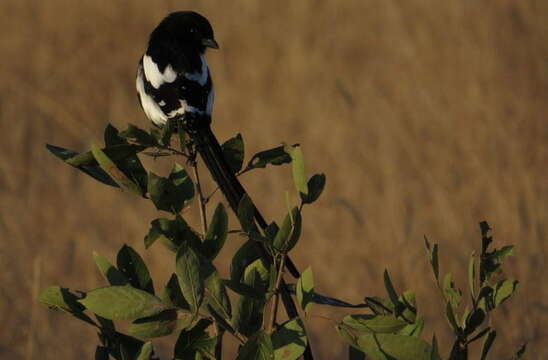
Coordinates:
212	154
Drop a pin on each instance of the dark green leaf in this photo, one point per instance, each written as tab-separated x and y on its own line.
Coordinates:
245	255
195	341
139	136
449	313
305	289
315	186
374	323
172	233
122	303
216	233
520	352
391	292
275	156
473	320
60	298
114	172
190	277
391	347
355	354
94	171
289	233
101	353
171	194
233	151
134	268
289	340
109	271
379	305
257	347
487	343
433	257
299	173
346	335
217	296
248	317
246	213
243	289
434	354
158	325
172	295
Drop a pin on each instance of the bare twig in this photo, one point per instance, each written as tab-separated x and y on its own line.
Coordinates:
276	300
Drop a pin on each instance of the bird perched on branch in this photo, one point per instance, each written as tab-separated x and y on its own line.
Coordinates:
174	83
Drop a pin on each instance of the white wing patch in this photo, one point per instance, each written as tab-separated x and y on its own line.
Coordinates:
153	74
201	76
150	107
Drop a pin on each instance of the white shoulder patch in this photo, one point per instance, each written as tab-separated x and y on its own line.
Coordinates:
150	107
201	76
153	74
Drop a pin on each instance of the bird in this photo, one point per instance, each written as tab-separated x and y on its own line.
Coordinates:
174	82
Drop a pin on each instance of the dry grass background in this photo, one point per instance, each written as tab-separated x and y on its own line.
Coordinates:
426	116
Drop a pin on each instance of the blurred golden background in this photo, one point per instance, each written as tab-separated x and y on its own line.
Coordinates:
427	117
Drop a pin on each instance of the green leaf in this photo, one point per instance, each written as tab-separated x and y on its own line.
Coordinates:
275	156
391	347
520	352
158	325
257	347
434	354
315	187
289	340
289	233
146	352
299	173
172	295
452	294
355	354
122	303
379	305
216	233
473	321
433	257
414	329
190	278
346	335
246	213
93	170
449	313
374	323
472	275
409	313
391	292
487	343
248	317
134	268
217	296
139	136
246	254
171	194
504	289
244	290
233	151
114	172
195	342
305	289
172	233
109	271
62	299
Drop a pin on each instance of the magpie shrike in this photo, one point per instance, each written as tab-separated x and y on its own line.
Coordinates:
174	83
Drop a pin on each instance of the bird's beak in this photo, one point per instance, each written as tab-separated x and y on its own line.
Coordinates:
210	43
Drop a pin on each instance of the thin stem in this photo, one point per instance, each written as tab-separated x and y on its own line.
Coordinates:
200	196
276	301
219	345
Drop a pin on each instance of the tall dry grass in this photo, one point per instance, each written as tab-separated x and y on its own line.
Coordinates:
426	116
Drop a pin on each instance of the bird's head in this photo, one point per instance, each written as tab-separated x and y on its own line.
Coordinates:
186	28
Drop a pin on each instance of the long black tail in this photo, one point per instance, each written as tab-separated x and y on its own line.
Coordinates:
212	154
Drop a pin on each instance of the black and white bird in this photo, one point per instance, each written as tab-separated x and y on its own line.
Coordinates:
174	82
